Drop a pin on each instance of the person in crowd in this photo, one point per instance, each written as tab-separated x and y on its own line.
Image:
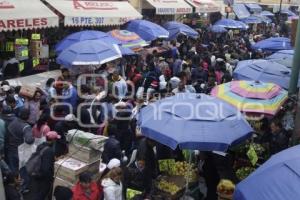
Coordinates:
65	75
112	149
70	97
86	189
62	193
119	86
33	105
40	129
62	127
112	185
42	182
10	187
279	139
50	89
18	132
138	177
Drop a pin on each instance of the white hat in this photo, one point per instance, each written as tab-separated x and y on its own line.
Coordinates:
6	88
70	118
113	163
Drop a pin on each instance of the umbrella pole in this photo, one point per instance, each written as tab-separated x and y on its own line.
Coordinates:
188	177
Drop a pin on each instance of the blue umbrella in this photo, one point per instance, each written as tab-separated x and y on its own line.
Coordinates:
267	71
266	13
254	7
284	57
147	30
90	52
273	44
194	121
276	179
252	20
82	36
218	29
176	28
230	23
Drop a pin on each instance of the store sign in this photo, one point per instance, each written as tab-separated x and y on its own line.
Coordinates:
22	41
6	5
35	36
23	23
94	5
173	10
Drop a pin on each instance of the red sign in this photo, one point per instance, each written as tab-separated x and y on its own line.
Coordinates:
93	5
6	5
23	23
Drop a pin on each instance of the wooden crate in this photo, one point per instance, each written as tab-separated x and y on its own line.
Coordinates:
69	169
84	154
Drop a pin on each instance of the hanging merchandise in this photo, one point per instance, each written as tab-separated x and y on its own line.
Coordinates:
36	47
21	52
35	36
9	47
35	62
21	66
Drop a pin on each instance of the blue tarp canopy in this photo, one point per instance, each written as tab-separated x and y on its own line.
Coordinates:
254	7
241	11
266	13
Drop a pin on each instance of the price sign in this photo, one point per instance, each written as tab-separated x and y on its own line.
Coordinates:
35	62
252	155
21	66
36	36
24	53
9	46
22	41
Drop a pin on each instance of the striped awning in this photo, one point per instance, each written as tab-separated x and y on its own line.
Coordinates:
94	13
170	7
205	6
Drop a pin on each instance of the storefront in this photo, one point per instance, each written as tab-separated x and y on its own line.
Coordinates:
21	36
94	13
165	10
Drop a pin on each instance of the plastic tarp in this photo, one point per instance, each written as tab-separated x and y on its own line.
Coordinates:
241	11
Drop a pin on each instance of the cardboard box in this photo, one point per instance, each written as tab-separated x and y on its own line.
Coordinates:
69	169
83	153
28	91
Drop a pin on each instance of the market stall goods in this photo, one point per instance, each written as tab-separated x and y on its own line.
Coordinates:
168	187
225	189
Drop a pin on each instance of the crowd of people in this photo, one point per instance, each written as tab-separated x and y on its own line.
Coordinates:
127	85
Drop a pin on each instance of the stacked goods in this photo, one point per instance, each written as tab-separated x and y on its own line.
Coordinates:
168	187
225	189
84	156
188	171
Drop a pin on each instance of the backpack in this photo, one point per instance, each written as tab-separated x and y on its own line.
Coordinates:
33	165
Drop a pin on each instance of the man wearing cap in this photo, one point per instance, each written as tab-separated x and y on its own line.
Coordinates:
41	184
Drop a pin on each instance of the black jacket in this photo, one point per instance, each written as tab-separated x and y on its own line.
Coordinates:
112	149
48	159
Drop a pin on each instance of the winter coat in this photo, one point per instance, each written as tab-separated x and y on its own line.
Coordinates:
112	190
79	194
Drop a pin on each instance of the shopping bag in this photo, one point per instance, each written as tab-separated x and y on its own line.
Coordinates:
25	151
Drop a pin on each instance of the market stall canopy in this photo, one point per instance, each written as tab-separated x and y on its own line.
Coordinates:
284	57
266	13
89	52
241	11
218	29
194	121
252	20
147	30
263	70
273	44
252	96
95	13
170	7
176	28
230	23
254	7
20	14
276	179
204	6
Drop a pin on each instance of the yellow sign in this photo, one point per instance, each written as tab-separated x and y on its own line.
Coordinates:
22	41
35	62
24	53
252	155
36	36
130	193
9	46
21	66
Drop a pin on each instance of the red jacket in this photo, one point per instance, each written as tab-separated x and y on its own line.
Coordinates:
79	194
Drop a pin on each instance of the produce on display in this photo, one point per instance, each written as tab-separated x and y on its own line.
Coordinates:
244	172
168	187
189	171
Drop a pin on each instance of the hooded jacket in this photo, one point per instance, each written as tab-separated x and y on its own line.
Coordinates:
112	190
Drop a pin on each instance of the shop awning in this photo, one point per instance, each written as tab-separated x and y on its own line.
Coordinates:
254	7
24	14
94	13
241	11
170	7
205	6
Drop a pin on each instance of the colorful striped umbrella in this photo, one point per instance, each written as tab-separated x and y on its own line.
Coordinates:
128	39
251	96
